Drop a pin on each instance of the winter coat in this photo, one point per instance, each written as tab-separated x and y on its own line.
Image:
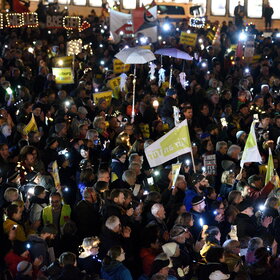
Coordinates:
70	272
12	260
91	264
37	206
21	235
115	271
147	256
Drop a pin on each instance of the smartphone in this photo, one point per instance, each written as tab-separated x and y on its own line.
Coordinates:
150	181
14	227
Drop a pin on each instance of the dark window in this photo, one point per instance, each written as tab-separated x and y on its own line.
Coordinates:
170	10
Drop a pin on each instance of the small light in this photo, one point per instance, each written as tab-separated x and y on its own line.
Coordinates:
19	86
28	246
49	32
101	46
65	8
96	90
164	42
105	27
188	31
156	173
30	50
102	62
34	42
102	31
126	46
106	68
187	162
159	38
200	41
6	46
261	207
203	64
60	62
155	103
166	27
278	35
201	222
177	29
66	189
247	70
203	168
242	36
7	10
67	103
9	91
121	33
143	40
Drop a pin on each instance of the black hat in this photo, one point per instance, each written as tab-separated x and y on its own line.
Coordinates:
38	190
158	264
196	177
120	152
197	200
244	205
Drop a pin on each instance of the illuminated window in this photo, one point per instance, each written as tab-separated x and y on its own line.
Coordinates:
218	7
129	4
80	2
95	3
63	2
254	8
275	5
170	10
233	4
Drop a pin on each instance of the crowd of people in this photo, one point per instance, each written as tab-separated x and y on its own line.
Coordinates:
112	216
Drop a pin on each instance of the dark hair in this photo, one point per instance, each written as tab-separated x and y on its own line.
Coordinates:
55	194
112	254
115	193
11	210
211	232
214	254
261	256
67	258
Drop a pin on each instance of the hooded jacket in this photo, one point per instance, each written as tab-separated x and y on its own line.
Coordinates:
115	271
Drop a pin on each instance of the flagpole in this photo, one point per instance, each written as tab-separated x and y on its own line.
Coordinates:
194	170
133	95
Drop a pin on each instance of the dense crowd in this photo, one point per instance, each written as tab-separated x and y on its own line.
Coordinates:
112	216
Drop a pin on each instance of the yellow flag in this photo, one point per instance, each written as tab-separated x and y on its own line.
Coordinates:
31	126
270	168
55	174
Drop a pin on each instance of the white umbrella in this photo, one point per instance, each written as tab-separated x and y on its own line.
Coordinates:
135	56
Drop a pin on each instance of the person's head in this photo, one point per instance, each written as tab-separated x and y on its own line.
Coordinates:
198	204
127	197
232	247
212	234
215	255
89	195
235	197
117	196
255	243
101	187
179	234
262	256
56	201
158	211
185	220
255	181
204	110
181	183
234	151
153	197
11	194
171	92
211	193
48	232
21	248
6	130
14	213
271	202
91	245
103	175
116	253
129	176
4	151
24	268
61	129
161	265
113	223
246	208
188	112
265	120
222	147
243	187
228	177
27	155
39	192
67	258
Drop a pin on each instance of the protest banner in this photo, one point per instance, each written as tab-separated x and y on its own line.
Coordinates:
63	75
188	39
210	164
119	66
173	144
107	95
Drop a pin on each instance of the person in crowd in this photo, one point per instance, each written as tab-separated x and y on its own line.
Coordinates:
112	267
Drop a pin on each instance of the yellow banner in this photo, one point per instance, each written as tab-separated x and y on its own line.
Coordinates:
107	95
175	172
146	47
256	58
31	126
120	67
114	83
55	175
188	39
63	75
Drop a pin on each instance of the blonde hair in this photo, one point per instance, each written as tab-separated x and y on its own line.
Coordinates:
230	244
88	242
225	177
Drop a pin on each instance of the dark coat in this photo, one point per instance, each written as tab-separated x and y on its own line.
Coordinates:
205	270
115	271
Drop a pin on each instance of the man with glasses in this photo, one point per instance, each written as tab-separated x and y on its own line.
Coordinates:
56	213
